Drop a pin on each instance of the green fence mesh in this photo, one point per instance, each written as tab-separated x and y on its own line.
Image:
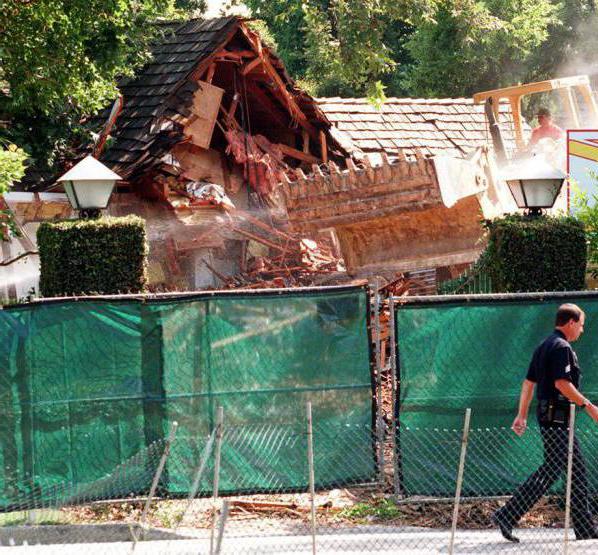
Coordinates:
457	352
87	384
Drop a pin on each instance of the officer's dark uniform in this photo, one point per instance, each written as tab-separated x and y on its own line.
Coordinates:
554	359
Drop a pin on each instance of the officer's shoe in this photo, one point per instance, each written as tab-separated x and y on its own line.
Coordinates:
506	529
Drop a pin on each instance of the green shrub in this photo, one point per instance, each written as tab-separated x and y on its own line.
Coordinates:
104	256
537	254
586	210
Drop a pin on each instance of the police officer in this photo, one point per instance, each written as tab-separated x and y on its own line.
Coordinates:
555	371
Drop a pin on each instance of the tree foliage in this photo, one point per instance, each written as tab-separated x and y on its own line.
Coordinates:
341	46
12	166
472	46
586	210
429	47
59	61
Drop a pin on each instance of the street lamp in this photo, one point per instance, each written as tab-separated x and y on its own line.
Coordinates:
88	186
535	184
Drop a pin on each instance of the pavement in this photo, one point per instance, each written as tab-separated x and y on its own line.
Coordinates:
378	540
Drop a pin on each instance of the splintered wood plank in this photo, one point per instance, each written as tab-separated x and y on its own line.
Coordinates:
206	103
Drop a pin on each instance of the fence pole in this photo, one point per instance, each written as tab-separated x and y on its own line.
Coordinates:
197	479
312	480
157	476
569	476
393	377
377	349
221	525
219	426
460	479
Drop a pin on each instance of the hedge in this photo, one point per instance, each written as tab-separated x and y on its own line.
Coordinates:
103	256
536	254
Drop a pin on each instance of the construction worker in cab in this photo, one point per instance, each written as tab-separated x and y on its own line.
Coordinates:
546	129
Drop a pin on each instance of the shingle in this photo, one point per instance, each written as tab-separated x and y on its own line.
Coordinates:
440	125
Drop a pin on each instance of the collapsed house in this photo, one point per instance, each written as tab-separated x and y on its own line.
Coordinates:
244	180
414	202
202	137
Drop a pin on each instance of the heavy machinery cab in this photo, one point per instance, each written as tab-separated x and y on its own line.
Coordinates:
579	105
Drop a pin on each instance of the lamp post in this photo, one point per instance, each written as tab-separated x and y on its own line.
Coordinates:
88	186
535	185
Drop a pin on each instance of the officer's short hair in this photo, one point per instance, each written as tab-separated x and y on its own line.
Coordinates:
566	312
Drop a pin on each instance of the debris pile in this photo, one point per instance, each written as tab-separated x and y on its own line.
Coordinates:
291	261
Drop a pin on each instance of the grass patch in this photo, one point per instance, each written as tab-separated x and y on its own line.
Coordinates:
379	509
37	516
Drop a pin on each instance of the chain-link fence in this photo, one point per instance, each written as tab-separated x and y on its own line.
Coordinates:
276	489
349	478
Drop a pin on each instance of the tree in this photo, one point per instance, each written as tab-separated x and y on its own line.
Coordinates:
342	46
59	61
472	45
571	45
12	166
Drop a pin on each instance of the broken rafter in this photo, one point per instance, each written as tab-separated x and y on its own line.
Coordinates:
267	103
323	147
233	106
294	153
233	55
258	239
220	276
237	212
294	108
249	67
210	73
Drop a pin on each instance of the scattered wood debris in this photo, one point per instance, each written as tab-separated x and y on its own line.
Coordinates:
288	260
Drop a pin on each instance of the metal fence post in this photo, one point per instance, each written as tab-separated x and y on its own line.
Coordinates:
197	478
312	485
393	370
221	525
460	479
219	425
157	476
569	476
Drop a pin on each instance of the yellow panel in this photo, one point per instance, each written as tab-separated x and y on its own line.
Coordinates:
583	150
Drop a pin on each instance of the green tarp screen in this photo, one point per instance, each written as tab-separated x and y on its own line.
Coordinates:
87	384
457	352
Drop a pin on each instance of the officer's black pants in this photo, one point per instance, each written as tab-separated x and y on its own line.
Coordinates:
556	447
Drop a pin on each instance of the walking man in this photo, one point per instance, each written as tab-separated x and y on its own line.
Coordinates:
555	374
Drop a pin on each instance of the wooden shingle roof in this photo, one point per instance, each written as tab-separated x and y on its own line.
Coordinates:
450	126
165	88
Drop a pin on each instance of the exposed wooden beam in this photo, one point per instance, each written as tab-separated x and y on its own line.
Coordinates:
247	68
305	137
234	54
324	147
233	105
294	153
210	74
276	111
294	108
